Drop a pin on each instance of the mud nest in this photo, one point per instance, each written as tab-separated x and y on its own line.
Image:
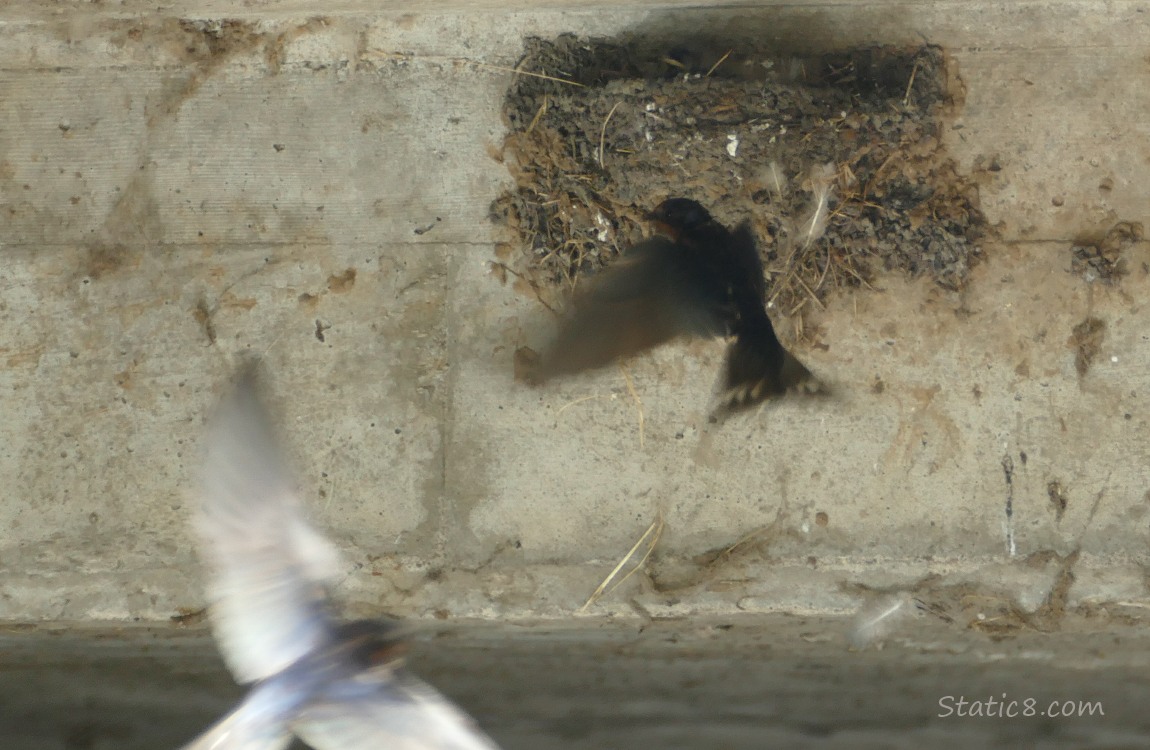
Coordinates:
614	128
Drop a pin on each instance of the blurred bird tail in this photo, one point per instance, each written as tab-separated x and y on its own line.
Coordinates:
757	368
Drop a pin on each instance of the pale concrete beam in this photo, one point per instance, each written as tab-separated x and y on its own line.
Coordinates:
109	378
244	158
152	232
376	88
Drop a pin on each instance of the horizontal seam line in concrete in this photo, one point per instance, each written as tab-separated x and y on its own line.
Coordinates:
242	10
289	69
233	244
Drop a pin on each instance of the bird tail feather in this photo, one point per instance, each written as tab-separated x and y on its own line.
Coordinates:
759	367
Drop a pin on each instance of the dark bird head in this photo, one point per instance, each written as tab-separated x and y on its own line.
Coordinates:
371	642
680	215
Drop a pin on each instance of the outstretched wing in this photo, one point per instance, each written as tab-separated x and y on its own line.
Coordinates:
267	566
387	709
747	263
248	727
657	291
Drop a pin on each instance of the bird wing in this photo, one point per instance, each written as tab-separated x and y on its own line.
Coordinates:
387	709
658	290
243	729
745	258
267	565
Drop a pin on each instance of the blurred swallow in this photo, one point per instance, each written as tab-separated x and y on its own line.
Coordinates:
694	278
337	686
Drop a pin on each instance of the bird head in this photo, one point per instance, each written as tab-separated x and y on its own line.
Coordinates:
372	642
680	215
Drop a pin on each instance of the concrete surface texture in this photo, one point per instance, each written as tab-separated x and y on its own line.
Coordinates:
185	184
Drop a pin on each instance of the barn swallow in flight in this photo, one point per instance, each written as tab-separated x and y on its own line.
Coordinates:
337	686
694	278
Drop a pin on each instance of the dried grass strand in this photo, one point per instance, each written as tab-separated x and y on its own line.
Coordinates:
638	402
603	131
721	60
910	84
577	401
654	531
538	116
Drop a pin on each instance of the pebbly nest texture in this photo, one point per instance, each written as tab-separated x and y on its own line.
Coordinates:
835	160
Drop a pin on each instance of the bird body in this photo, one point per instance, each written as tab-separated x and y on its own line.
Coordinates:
338	686
694	278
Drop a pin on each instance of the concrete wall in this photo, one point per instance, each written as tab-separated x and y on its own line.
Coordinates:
177	192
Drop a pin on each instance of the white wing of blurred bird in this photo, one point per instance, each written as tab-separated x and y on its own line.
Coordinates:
339	686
